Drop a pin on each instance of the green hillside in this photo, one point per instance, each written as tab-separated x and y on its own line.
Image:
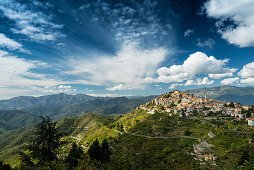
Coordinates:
13	119
147	141
118	105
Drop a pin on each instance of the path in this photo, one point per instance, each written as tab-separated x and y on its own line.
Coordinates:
157	137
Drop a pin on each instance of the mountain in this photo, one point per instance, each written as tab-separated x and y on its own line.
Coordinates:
243	95
118	105
23	102
13	119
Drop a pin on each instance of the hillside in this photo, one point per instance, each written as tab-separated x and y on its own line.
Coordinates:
243	95
118	105
148	141
13	119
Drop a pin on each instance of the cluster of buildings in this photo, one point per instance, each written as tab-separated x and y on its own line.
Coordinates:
187	104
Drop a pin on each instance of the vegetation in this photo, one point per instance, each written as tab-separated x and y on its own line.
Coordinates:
46	141
136	140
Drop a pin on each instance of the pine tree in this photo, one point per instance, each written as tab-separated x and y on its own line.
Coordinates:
106	152
4	166
94	150
75	153
46	141
25	159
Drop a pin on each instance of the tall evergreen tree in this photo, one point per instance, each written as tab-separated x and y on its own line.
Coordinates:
4	166
106	152
75	153
46	141
94	150
25	159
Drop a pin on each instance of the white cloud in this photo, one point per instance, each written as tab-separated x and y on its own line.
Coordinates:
158	86
108	95
9	43
117	87
64	87
206	43
174	85
188	32
29	21
247	71
128	69
197	63
6	42
219	76
247	74
19	75
230	81
199	81
58	89
241	13
247	81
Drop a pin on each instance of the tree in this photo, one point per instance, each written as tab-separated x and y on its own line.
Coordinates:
231	104
187	133
101	153
75	153
94	150
46	141
4	166
106	152
25	159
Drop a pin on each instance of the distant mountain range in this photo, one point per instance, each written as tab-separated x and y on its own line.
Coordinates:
23	102
24	110
243	95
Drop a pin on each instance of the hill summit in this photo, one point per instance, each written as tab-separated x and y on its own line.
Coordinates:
185	104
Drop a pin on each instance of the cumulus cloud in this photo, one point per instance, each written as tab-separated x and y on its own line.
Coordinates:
117	87
206	43
174	85
188	32
230	81
197	63
36	25
247	71
128	69
219	76
199	81
239	33
247	81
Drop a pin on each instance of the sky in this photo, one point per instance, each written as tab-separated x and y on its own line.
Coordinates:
124	47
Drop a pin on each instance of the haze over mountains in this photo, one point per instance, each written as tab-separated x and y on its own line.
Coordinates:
243	95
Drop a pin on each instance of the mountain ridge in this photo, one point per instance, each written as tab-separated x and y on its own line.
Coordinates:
226	93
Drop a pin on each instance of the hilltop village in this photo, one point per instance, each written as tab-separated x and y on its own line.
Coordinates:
184	104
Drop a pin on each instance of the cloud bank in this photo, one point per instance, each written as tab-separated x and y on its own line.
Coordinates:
241	13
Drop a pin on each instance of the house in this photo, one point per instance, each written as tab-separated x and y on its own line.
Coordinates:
250	121
246	107
238	110
211	135
208	157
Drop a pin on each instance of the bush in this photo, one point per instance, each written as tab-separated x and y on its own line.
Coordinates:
187	133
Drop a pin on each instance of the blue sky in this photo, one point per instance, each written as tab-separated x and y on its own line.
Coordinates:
124	47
